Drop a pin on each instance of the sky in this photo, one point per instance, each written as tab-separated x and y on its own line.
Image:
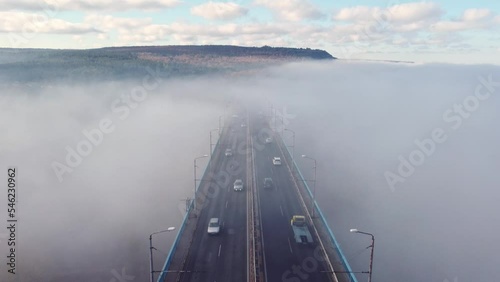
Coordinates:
459	32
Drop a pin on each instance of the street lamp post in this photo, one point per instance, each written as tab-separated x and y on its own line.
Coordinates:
151	249
194	199
220	125
313	200
282	125
371	255
228	104
273	116
293	144
211	144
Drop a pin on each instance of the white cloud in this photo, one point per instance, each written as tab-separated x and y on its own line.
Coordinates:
407	25
402	13
219	11
30	23
144	30
473	15
97	5
130	30
410	27
226	32
382	25
292	10
471	19
451	26
358	13
103	36
413	12
109	22
418	23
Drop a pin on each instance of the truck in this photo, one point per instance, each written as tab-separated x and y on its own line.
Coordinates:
301	230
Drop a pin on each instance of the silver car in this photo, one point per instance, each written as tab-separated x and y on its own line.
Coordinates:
238	185
276	161
213	226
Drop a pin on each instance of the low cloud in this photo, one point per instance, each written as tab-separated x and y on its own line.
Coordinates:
476	15
294	10
22	23
401	13
354	118
219	11
471	19
87	5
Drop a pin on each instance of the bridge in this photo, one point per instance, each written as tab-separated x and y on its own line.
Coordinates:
256	241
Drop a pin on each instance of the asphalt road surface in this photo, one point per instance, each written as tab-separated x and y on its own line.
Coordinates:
223	257
285	259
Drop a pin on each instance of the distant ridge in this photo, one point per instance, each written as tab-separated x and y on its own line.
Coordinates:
25	66
227	50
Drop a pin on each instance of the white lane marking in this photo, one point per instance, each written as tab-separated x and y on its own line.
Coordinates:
220	246
226	204
281	209
290	245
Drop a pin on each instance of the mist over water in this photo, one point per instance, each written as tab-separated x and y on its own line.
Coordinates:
355	119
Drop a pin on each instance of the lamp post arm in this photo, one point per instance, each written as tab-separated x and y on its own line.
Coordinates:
151	250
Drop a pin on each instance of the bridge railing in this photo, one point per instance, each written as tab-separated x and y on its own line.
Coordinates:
318	211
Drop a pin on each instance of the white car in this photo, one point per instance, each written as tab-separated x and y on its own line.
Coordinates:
238	185
276	161
269	140
213	226
228	152
243	125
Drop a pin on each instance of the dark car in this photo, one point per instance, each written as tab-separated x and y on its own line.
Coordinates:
268	183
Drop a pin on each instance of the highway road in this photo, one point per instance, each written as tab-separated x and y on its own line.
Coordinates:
223	257
285	260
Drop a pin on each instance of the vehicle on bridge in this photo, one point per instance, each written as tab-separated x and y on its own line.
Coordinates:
228	152
301	230
213	226
269	140
276	161
238	185
268	183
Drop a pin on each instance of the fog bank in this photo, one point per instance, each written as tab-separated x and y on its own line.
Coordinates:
436	221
